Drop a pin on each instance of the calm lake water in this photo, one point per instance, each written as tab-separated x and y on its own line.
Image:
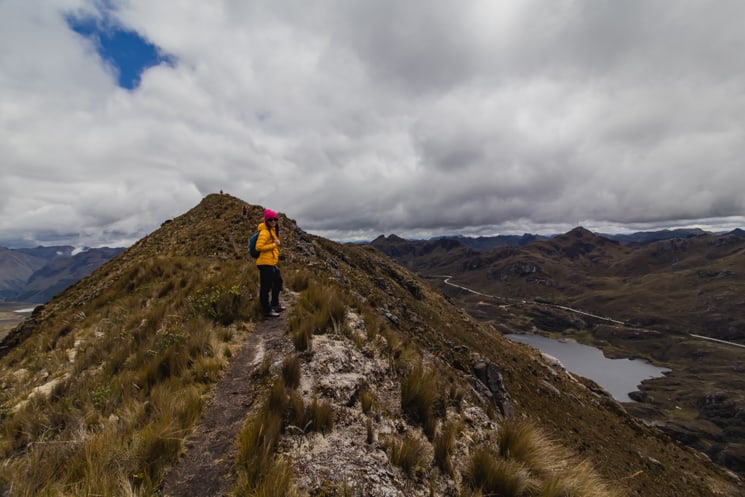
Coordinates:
618	376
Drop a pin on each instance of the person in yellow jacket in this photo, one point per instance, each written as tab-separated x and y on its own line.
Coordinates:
270	278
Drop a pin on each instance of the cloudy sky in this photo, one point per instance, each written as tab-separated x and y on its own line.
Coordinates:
365	117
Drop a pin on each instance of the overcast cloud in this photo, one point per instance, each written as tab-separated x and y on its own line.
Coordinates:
359	118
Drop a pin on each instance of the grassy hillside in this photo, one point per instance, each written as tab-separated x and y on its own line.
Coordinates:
106	385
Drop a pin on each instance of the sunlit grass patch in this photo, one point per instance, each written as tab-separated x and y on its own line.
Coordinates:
522	442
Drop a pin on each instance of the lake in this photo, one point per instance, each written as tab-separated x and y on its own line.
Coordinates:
618	376
12	313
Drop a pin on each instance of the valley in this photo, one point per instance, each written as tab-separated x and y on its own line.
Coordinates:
9	317
675	303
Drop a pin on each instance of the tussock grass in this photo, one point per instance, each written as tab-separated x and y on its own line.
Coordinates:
494	476
291	372
322	308
368	402
302	334
261	472
418	397
520	441
131	366
318	310
370	432
321	416
299	280
318	416
526	463
255	452
407	453
444	445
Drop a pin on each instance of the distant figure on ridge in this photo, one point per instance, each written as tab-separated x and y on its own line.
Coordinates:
270	279
245	211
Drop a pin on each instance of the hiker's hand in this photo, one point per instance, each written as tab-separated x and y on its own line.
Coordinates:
277	242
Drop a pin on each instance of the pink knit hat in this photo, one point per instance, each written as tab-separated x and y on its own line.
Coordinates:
269	214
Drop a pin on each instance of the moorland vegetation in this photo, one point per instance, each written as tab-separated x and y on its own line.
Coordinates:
367	385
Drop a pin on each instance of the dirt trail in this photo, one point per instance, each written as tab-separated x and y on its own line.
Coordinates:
207	467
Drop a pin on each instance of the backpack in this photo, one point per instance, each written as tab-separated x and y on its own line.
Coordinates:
252	245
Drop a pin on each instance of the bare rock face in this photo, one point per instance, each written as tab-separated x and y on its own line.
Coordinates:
489	374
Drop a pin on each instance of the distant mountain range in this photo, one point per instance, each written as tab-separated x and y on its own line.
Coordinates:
35	275
643	278
491	242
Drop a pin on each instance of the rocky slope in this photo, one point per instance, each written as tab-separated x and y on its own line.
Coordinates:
97	382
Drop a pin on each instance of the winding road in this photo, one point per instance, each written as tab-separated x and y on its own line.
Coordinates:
446	279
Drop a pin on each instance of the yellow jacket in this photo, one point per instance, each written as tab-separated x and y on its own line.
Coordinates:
268	250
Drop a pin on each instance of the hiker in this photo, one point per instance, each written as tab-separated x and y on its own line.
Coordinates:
270	279
245	211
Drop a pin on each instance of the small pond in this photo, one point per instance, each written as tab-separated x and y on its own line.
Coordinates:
618	376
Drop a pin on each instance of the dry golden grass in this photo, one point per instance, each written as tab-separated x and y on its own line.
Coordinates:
418	397
368	402
129	371
444	446
407	453
322	307
525	463
291	371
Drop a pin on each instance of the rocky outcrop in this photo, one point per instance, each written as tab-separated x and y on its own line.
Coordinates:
488	373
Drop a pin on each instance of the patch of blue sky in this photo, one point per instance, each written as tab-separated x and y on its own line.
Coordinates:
129	53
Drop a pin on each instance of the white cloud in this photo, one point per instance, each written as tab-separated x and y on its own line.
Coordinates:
358	118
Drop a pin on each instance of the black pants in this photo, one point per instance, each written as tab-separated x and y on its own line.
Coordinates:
270	282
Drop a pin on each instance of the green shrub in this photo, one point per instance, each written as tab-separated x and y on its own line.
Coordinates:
221	304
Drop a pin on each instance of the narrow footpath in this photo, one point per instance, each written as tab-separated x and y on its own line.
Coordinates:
207	469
